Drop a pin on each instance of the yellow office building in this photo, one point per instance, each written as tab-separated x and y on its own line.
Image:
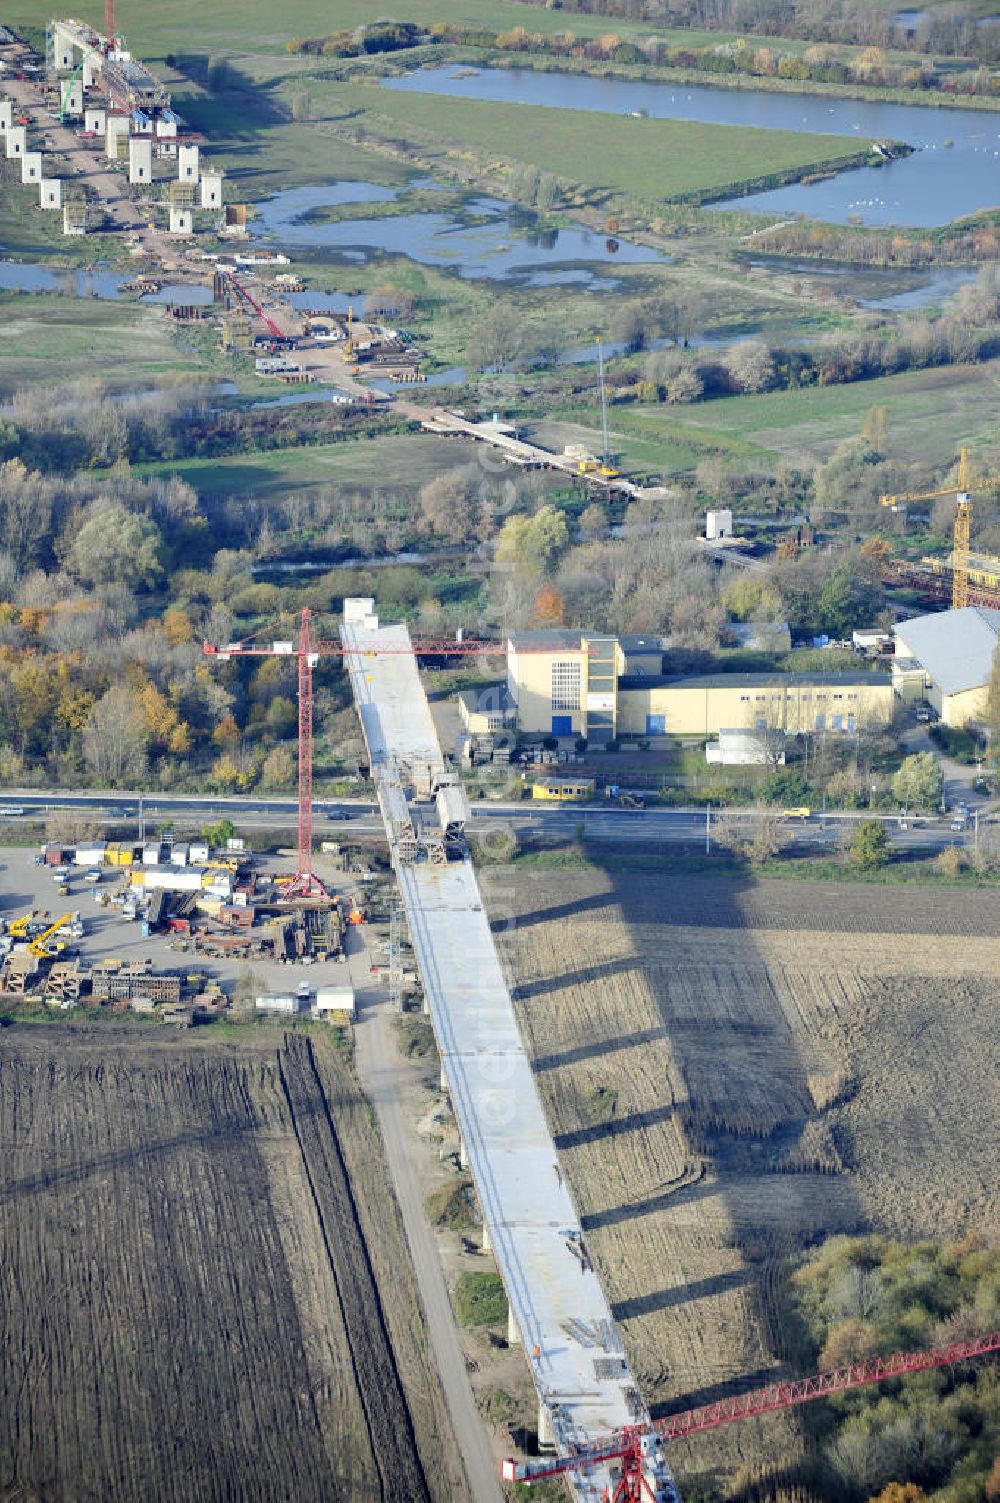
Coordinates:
566	683
791	702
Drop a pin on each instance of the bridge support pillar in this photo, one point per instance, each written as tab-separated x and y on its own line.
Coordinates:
444	1077
487	1244
463	1157
513	1334
546	1434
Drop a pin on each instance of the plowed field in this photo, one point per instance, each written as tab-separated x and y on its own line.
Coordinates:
204	1285
735	1070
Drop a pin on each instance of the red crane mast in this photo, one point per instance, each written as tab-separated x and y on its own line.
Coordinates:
307	651
627	1446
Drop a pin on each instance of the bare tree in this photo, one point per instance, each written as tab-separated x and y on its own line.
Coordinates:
750	366
114	741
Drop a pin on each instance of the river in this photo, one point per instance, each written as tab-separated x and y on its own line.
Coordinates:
954	171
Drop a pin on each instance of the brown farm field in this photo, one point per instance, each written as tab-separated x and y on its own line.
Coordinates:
737	1069
204	1281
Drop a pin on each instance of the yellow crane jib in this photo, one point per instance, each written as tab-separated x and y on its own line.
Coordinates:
39	946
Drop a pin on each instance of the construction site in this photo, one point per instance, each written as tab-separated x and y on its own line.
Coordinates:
91	131
639	1169
659	1089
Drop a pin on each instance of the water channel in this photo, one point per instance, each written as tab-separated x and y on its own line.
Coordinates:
954	171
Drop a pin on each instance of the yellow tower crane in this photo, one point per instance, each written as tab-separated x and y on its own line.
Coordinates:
963	521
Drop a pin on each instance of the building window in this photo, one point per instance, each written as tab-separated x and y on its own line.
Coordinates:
744	699
565	686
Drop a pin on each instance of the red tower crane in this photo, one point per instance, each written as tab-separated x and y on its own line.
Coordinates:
307	651
626	1445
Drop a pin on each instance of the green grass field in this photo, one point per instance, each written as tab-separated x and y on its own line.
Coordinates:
395	461
649	159
153	31
931	414
48	338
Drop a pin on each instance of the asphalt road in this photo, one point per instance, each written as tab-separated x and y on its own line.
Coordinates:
360	817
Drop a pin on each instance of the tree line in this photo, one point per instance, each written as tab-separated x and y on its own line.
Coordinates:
822	62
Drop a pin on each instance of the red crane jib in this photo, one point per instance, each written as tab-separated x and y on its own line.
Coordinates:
624	1446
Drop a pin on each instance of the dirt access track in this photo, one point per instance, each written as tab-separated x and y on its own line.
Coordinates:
204	1285
736	1069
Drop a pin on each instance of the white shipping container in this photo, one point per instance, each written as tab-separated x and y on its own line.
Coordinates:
173	879
179	855
89	855
198	852
275	1002
338	999
151	855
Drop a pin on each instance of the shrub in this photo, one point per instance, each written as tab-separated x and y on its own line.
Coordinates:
869	846
479	1300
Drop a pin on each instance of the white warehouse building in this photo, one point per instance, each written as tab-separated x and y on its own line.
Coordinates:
946	658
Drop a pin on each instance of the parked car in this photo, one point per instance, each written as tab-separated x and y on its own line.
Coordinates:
959	823
92	874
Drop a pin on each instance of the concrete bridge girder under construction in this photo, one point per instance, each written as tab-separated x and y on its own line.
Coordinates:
585	1386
